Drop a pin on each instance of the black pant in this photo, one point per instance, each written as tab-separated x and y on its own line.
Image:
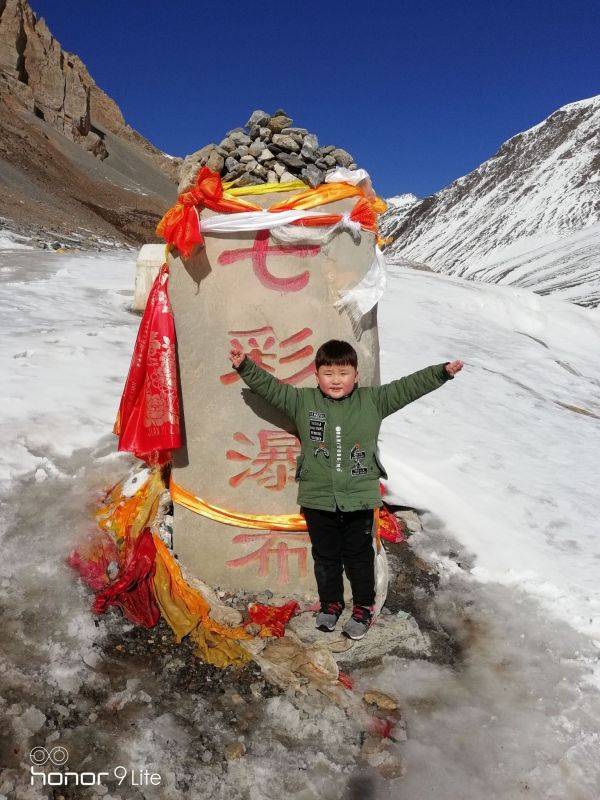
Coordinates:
343	540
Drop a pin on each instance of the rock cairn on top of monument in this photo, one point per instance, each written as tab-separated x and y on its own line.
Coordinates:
268	149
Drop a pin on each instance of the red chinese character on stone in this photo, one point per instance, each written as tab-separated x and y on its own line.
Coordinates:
275	462
258	254
258	343
272	544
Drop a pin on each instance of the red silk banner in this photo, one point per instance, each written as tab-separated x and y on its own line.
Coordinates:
148	422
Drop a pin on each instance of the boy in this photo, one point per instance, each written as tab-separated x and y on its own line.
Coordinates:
338	470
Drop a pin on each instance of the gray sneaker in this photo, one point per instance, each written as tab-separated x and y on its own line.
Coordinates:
328	616
359	623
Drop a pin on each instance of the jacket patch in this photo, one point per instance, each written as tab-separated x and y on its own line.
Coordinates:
316	424
358	456
321	450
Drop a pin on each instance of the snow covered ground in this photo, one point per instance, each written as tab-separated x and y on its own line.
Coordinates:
565	265
506	454
65	345
501	459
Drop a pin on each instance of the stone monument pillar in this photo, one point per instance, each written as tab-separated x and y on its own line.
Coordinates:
277	302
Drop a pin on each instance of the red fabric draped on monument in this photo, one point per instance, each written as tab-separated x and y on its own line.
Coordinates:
133	590
148	423
180	226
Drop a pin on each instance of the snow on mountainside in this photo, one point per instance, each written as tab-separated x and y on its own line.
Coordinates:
402	203
402	200
528	216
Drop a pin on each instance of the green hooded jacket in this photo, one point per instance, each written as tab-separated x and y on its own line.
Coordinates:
338	462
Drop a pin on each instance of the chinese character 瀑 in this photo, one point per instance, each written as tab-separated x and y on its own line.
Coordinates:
274	463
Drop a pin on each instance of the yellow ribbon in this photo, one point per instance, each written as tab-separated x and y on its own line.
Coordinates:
322	194
308	198
261	188
272	522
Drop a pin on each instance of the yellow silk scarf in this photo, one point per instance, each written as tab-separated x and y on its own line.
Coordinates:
273	522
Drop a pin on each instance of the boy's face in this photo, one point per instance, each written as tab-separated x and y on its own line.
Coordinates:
336	381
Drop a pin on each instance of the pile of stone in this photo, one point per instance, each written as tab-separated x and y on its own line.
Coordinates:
268	149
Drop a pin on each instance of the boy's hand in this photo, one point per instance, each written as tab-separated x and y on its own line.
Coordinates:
236	357
453	367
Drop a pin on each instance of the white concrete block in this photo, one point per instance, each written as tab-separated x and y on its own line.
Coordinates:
150	259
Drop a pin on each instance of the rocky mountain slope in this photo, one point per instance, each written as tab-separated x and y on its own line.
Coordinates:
69	163
528	216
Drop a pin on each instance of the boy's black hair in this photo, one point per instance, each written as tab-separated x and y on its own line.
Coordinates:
337	353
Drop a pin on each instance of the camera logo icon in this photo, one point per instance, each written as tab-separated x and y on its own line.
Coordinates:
58	756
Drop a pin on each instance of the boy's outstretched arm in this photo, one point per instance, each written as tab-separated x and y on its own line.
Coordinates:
278	394
392	396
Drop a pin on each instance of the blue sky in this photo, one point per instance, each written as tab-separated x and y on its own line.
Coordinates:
419	92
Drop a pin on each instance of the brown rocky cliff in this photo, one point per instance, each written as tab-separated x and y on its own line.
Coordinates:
43	86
